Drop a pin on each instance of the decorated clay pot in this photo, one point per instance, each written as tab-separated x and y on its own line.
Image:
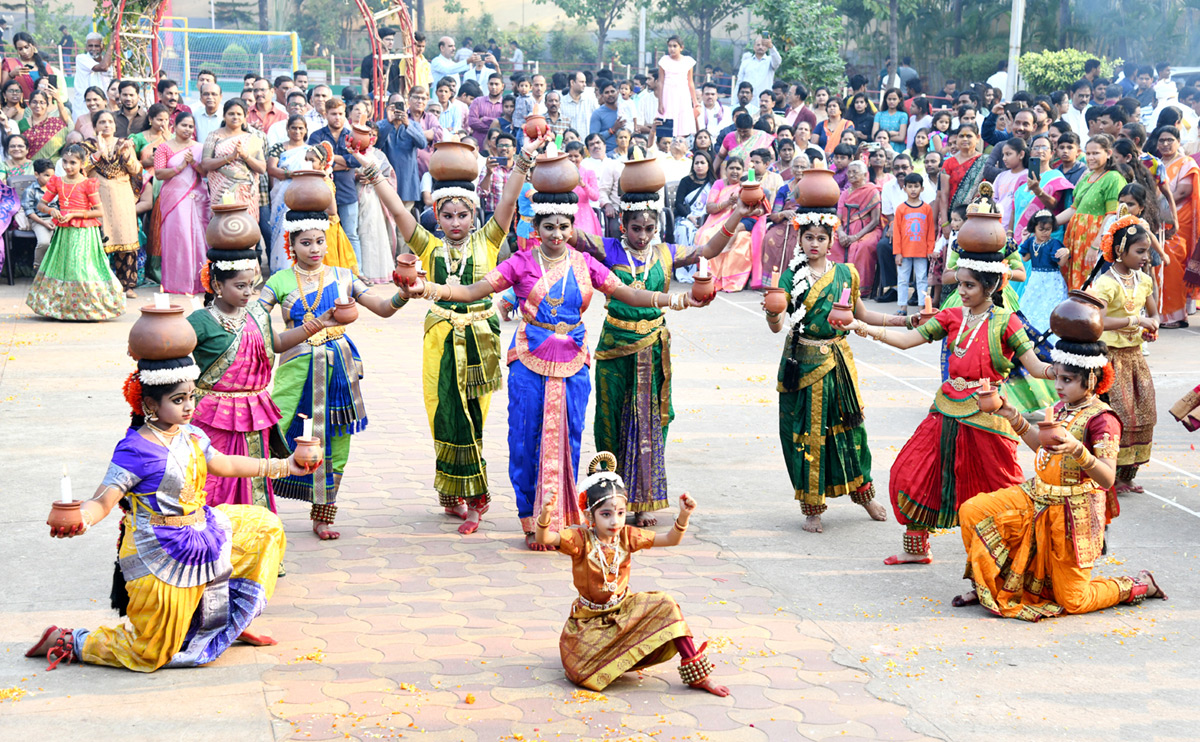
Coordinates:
65	515
454	161
535	126
703	288
989	400
818	189
345	311
554	174
775	301
406	269
1079	319
642	176
161	334
232	228
841	314
360	138
752	193
982	233
308	191
1051	433
309	452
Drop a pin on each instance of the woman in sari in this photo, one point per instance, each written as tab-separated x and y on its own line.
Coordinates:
46	133
1031	546
549	380
158	121
961	175
28	67
233	160
691	198
283	159
829	132
181	213
743	140
16	158
1096	195
780	226
114	164
1047	189
1181	276
730	270
375	230
588	192
859	210
93	101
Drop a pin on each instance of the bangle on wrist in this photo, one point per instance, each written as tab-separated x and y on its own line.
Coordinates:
678	527
540	524
398	301
1133	320
725	231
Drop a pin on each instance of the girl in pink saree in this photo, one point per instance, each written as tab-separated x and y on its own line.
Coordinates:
183	211
742	258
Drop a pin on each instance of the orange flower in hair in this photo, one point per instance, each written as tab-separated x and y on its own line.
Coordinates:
133	392
1106	242
1107	376
206	278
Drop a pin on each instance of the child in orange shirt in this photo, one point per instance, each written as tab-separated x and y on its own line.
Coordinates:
913	237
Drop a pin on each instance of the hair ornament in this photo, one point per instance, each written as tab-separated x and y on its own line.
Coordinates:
132	389
1079	361
236	265
206	278
162	376
1125	221
984	266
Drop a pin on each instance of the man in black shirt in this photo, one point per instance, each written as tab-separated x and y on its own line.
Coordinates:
391	69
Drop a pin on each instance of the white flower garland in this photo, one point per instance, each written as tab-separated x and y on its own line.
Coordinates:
236	265
826	220
303	225
984	266
592	480
655	205
801	281
545	209
161	376
442	194
1071	359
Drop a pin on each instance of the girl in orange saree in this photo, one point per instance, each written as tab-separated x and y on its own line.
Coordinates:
1181	277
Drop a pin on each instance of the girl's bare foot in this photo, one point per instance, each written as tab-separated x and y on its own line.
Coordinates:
324	532
460	510
875	510
472	522
710	686
906	558
968	598
644	520
812	524
531	542
257	640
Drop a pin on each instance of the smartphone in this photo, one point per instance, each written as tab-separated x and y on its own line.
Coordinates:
1035	166
501	161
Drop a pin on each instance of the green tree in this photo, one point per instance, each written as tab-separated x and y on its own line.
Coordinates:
701	17
604	13
806	32
233	11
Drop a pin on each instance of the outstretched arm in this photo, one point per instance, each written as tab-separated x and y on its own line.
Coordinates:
507	205
672	537
901	339
720	240
544	535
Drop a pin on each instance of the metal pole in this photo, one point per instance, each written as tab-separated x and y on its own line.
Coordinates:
642	39
1016	26
187	63
262	70
295	51
212	13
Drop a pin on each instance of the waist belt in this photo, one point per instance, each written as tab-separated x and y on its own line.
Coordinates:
229	395
641	327
958	383
460	320
816	343
1053	494
158	519
326	335
612	602
559	328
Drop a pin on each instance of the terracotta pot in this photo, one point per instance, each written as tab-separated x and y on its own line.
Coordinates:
65	515
454	161
776	301
989	401
982	233
309	452
308	191
642	176
232	228
554	175
752	193
161	334
535	126
703	288
345	311
1051	433
841	314
1079	319
406	269
818	189
360	138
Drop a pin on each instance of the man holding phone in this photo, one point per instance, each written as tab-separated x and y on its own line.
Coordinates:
496	171
400	138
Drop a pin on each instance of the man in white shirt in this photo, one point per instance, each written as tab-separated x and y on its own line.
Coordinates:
578	107
675	162
479	72
759	68
445	64
208	118
466	52
516	56
999	78
316	105
297	105
647	106
713	116
91	69
1081	96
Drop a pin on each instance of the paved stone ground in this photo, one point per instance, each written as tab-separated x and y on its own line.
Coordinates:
405	628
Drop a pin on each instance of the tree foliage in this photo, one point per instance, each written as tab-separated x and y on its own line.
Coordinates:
701	17
604	13
1045	72
807	34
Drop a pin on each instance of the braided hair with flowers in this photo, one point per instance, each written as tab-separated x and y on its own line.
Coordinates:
805	219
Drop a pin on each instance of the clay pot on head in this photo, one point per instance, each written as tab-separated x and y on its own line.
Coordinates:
345	311
360	138
554	174
817	189
841	314
752	193
642	176
308	191
309	452
1079	319
1051	433
982	233
65	515
232	228
775	301
454	161
989	400
535	126
161	334
703	288
406	269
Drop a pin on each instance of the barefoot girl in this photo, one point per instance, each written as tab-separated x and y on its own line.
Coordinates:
1031	547
611	630
190	577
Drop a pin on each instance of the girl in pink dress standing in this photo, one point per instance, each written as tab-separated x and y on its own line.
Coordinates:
182	209
678	101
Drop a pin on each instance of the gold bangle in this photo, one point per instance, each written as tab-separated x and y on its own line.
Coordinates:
1133	321
1025	426
678	527
542	525
1085	460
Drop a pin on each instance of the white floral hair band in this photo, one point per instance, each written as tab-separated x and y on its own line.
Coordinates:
454	192
655	205
1072	359
162	376
825	220
236	265
552	208
984	266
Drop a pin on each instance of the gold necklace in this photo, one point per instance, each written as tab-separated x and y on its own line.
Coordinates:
638	256
544	263
1128	295
231	322
455	269
962	351
308	310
